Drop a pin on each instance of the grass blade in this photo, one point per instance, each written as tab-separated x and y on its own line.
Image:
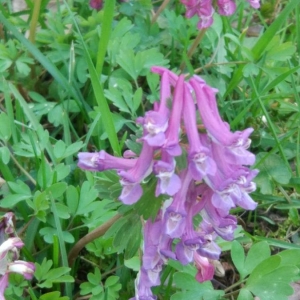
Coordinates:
106	115
105	33
48	65
259	48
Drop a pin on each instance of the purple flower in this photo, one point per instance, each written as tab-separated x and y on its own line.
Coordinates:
7	224
96	4
175	215
204	9
226	7
237	142
254	3
209	248
22	267
3	285
9	252
213	219
101	161
165	248
9	245
234	190
200	163
171	144
142	288
155	122
168	182
131	179
151	233
191	240
205	269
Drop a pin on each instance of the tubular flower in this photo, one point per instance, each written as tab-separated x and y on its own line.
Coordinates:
9	254
210	178
204	9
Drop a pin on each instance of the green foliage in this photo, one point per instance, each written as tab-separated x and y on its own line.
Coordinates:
268	277
192	289
272	170
109	290
47	276
81	84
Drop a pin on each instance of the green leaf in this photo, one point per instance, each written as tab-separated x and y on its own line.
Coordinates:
5	128
53	296
62	211
192	289
245	295
238	257
290	257
87	195
267	36
281	52
5	154
133	263
272	169
10	201
257	253
94	278
72	198
19	187
42	269
57	189
59	149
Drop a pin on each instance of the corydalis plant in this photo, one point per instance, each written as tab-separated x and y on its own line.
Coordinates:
216	178
204	9
9	254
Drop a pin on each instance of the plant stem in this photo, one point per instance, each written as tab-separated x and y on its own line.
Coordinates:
34	20
234	285
23	170
160	9
97	232
194	46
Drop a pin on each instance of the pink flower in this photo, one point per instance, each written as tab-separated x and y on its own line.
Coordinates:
96	4
205	269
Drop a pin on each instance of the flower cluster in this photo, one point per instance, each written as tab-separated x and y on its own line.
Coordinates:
216	177
9	254
204	9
